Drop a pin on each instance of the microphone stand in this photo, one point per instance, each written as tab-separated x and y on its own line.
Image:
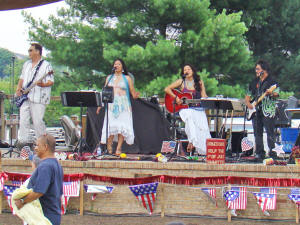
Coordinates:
174	123
106	101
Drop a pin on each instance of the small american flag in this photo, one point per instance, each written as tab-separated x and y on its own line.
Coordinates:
211	193
96	189
266	198
146	194
168	146
295	195
246	144
64	203
8	190
236	198
25	152
71	189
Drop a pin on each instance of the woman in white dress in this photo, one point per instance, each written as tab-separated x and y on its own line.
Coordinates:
120	126
196	125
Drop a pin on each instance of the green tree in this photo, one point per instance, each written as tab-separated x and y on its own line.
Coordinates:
273	30
154	37
5	60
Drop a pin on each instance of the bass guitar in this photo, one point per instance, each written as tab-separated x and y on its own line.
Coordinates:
19	100
186	98
251	112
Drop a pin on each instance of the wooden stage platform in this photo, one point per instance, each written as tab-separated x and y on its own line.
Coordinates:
172	199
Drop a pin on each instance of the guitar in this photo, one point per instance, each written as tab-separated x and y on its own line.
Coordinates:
222	130
19	100
186	99
251	112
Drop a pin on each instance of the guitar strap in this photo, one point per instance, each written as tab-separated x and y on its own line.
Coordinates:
34	75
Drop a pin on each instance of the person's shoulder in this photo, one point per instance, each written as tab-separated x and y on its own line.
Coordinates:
27	62
45	62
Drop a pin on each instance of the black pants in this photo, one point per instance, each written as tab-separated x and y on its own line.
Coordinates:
259	123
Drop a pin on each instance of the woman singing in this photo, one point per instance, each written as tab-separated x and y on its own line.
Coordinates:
120	123
196	126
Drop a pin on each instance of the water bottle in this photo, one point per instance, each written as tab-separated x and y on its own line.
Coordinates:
99	151
162	159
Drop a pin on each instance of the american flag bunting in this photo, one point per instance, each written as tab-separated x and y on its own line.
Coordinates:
96	189
146	194
8	190
295	196
266	198
71	189
236	198
64	203
1	183
211	193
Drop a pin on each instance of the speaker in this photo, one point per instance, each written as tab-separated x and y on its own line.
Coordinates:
235	140
283	118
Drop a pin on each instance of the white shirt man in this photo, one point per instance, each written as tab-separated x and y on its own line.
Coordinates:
38	97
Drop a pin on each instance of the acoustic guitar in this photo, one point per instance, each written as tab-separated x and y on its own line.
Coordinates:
186	98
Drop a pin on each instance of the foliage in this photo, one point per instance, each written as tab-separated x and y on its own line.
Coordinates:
5	60
273	30
154	37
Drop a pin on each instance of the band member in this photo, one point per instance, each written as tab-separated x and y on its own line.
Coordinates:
120	111
38	97
264	116
196	126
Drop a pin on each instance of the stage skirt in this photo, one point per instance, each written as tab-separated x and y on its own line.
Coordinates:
196	128
119	121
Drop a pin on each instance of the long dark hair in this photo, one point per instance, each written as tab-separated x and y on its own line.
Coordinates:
196	77
125	72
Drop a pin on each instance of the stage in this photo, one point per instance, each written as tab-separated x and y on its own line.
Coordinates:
179	186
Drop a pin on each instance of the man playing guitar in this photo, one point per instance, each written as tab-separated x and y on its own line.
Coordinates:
196	126
263	85
38	97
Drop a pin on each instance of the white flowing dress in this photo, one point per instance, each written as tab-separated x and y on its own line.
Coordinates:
196	128
119	113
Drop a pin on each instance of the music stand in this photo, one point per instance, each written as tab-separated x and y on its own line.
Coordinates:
221	103
81	99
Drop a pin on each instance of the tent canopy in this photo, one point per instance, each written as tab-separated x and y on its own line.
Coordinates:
21	4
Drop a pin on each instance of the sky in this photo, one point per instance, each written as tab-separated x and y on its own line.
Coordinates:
14	31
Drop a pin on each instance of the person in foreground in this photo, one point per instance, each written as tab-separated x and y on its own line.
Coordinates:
196	125
120	111
46	181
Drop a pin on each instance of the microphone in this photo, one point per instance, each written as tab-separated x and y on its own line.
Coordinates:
261	73
183	76
113	69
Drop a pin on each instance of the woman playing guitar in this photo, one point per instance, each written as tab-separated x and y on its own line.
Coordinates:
196	126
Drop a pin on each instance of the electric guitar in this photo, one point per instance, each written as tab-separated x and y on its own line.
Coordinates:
251	112
186	98
19	100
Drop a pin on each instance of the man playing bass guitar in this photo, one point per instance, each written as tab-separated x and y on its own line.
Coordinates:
264	117
196	126
38	97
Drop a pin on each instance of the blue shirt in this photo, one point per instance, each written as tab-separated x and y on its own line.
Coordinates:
48	180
